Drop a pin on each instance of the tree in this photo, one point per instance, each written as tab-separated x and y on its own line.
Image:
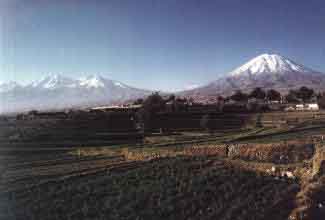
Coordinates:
221	99
154	103
32	112
138	101
319	96
181	100
257	93
292	97
305	94
273	95
150	107
221	103
172	97
239	96
321	101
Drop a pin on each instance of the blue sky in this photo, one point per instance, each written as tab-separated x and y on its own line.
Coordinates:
155	44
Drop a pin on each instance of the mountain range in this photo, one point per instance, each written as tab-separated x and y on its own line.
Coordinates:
55	92
268	71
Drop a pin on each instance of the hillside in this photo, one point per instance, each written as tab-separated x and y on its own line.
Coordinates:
268	71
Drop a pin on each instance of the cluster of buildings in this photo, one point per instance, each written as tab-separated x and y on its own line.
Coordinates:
303	107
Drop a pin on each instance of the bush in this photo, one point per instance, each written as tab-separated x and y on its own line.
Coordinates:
239	96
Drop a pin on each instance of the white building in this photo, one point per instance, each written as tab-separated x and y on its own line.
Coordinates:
300	107
307	107
312	107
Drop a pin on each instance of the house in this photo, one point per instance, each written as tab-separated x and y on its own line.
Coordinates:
312	107
300	107
303	107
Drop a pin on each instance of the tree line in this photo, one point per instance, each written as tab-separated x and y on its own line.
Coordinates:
301	95
155	103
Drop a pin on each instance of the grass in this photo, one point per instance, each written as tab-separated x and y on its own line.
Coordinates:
185	175
170	188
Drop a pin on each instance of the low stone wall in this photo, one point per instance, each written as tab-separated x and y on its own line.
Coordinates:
280	153
213	150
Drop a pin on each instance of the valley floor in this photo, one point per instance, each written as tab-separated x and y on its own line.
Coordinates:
261	173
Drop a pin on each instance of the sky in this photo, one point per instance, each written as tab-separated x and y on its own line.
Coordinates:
165	45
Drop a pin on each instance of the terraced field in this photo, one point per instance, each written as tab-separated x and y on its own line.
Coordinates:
170	188
257	173
22	175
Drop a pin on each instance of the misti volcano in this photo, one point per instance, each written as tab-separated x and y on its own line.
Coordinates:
268	71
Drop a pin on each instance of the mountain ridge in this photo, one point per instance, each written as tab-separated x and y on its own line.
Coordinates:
55	91
268	71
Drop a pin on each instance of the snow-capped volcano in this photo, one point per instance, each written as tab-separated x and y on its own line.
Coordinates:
97	81
60	92
269	63
268	71
53	81
94	81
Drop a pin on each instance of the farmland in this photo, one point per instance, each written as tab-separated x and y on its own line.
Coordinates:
245	173
165	188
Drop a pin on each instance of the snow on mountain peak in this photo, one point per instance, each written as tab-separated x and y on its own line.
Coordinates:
59	92
53	81
269	63
93	81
